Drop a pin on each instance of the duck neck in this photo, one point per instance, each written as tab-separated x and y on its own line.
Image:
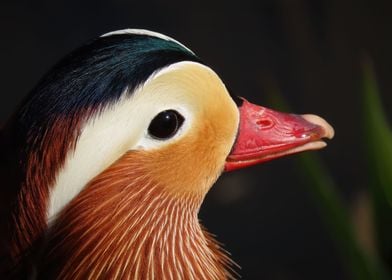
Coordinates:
120	229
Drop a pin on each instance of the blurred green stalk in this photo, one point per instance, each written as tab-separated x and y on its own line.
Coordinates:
378	140
360	265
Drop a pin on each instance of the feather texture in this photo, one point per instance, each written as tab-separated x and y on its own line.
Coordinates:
125	224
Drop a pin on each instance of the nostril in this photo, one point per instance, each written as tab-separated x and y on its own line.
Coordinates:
264	123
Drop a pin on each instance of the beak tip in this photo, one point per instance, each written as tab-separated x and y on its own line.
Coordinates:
327	130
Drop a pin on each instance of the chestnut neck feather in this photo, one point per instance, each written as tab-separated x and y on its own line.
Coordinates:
26	220
124	224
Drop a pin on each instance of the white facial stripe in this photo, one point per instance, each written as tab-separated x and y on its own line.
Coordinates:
101	142
145	32
118	129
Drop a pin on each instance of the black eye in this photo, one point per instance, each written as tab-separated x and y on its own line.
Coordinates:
165	124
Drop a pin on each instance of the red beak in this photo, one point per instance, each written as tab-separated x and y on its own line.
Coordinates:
265	134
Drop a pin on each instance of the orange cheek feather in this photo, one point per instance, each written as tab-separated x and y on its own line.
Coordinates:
192	164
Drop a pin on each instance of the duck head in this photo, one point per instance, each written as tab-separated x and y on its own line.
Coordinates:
120	142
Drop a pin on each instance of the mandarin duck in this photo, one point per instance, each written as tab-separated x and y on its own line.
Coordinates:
110	156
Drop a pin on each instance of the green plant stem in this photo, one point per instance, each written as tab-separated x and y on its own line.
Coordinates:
322	187
378	140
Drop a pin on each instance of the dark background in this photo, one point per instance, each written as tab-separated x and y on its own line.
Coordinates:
310	50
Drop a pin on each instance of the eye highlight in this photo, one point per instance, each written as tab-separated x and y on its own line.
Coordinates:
165	125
